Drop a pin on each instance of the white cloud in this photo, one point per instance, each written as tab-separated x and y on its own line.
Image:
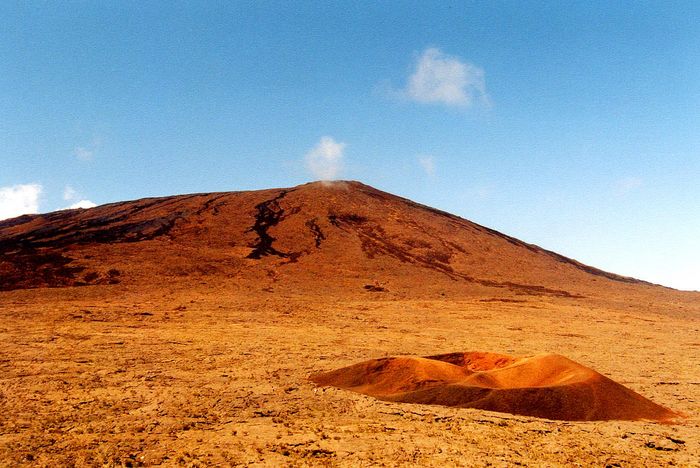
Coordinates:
627	185
69	193
428	164
17	200
83	153
484	192
325	160
82	204
87	152
443	79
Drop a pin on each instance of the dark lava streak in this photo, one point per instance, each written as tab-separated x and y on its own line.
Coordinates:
269	214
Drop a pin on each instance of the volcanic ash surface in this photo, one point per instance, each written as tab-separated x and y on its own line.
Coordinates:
545	386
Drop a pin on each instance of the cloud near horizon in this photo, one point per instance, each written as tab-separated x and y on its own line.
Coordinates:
84	154
82	204
427	163
70	194
439	78
325	160
17	200
628	184
87	152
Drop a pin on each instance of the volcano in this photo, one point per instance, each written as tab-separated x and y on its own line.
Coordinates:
184	330
328	237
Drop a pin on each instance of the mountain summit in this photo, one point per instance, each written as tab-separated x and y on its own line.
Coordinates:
320	236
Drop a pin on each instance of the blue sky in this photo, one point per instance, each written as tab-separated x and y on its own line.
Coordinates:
572	125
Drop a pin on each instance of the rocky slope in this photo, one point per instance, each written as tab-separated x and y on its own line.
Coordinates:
340	236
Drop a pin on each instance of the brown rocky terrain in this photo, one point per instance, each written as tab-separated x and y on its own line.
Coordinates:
182	330
288	236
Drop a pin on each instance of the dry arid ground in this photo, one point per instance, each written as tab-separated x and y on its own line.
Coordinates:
183	331
118	376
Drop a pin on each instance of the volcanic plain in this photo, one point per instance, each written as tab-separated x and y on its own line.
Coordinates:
183	331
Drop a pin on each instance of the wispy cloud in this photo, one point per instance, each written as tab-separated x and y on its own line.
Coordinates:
81	204
87	152
83	153
427	163
627	185
70	194
439	78
325	160
17	200
484	192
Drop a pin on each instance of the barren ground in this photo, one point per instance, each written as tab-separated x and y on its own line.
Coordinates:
118	376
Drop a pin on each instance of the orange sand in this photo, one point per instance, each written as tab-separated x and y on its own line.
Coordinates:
546	386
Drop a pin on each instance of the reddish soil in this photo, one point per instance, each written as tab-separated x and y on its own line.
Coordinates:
356	235
546	386
182	330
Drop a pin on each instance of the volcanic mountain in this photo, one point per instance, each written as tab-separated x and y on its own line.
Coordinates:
184	329
322	237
